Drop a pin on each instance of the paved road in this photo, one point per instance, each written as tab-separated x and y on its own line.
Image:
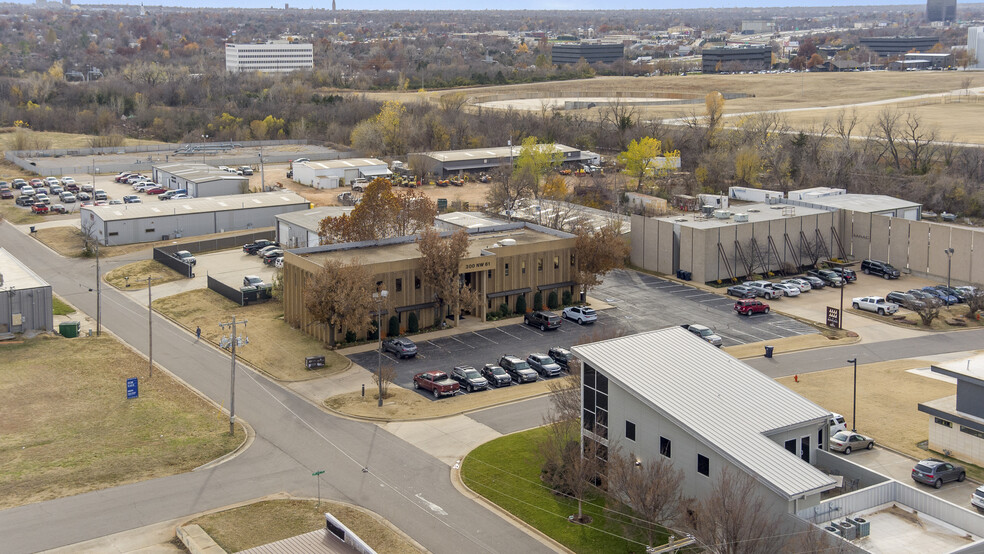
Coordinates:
404	484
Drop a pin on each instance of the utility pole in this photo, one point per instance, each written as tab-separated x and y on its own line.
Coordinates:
150	329
98	295
262	176
233	339
380	297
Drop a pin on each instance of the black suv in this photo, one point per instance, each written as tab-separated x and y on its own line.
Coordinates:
829	278
848	275
518	369
469	378
876	267
562	356
496	376
543	320
254	247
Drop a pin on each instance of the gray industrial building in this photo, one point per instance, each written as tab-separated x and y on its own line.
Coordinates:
896	46
573	52
133	223
877	204
300	229
454	161
335	173
200	180
736	58
941	10
25	298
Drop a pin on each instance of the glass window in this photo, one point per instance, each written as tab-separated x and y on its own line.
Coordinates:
507	270
539	264
588	419
556	262
972	432
522	267
572	260
399	285
489	274
943	422
589	376
665	447
630	430
416	282
602	385
703	465
791	445
589	399
805	449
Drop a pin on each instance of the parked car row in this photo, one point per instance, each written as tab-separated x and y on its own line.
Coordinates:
507	371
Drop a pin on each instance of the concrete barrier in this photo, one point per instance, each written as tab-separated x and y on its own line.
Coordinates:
197	541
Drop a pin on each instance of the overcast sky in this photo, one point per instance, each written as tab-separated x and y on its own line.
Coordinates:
507	4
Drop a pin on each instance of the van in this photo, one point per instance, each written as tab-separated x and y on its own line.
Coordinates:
837	424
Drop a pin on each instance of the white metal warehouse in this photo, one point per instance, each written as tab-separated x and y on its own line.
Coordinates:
300	229
25	298
132	223
200	180
334	173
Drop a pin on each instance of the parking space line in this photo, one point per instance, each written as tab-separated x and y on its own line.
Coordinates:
484	337
501	330
436	346
462	342
532	331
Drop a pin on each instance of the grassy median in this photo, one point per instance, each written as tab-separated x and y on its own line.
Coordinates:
273	520
273	348
507	471
137	272
68	428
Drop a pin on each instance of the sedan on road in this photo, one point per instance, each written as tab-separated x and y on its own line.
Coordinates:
925	297
402	347
977	499
847	441
829	277
947	299
936	472
815	282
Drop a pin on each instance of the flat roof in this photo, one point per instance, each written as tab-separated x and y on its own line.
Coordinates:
198	173
16	275
485	153
566	216
868	203
186	206
311	219
349	163
968	369
469	220
756	213
720	400
405	248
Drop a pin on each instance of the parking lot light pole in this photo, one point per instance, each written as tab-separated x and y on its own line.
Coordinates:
379	297
949	258
854	413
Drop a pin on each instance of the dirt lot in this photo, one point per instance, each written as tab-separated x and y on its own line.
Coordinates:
138	272
887	399
68	428
274	347
273	520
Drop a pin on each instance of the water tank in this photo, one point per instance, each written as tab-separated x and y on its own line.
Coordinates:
508	242
741	218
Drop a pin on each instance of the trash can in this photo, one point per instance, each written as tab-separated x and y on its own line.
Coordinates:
69	329
768	351
33	230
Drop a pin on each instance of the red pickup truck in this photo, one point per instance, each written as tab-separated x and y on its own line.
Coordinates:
749	306
40	208
437	382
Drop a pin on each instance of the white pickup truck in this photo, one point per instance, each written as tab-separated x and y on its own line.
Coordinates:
875	304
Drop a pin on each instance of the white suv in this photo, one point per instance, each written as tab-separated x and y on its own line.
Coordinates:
977	499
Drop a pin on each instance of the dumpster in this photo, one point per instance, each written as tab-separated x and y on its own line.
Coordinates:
69	329
768	351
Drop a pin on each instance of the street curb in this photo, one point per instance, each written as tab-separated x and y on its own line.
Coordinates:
370	419
243	446
518	523
893	323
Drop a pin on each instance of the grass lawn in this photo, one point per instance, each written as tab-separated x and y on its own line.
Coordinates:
403	403
273	520
59	307
67	427
506	471
273	348
953	318
61	140
138	273
18	215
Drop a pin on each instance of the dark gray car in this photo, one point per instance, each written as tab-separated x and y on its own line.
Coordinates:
936	472
543	364
402	347
518	369
469	378
905	300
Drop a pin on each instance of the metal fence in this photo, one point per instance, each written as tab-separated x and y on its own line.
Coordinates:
221	243
164	153
167	258
231	293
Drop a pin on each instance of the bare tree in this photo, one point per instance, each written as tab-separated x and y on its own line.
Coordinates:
340	296
886	128
815	539
929	311
596	253
387	374
651	489
975	301
619	117
439	261
734	518
919	144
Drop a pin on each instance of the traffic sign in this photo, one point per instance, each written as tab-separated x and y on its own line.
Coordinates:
132	388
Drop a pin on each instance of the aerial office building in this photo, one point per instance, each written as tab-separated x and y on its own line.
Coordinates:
975	45
591	52
941	10
889	46
741	58
278	56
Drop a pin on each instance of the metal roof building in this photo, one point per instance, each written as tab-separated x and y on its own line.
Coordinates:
25	298
705	410
331	173
132	223
452	161
199	179
878	204
300	229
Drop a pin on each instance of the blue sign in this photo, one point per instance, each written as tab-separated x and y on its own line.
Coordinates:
132	389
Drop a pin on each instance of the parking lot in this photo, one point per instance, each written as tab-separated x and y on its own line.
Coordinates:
641	302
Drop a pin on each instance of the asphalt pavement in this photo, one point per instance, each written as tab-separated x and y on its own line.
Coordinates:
402	483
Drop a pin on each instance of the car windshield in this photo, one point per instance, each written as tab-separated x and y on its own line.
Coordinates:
842	436
979	492
472	374
521	365
496	370
706	332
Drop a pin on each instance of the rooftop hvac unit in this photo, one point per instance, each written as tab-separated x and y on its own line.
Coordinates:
508	242
722	214
848	530
707	209
741	218
863	525
754	210
681	219
832	529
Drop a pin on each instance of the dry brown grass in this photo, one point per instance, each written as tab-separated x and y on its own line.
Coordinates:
67	427
887	399
950	319
273	520
60	140
17	215
403	404
67	241
138	272
273	348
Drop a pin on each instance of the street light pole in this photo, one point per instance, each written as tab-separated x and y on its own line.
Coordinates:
379	297
840	316
150	328
949	258
98	295
854	413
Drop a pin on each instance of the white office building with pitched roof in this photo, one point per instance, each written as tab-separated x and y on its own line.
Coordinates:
668	393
